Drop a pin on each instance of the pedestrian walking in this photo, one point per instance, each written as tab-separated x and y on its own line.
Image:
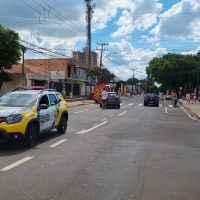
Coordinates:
103	97
174	98
188	97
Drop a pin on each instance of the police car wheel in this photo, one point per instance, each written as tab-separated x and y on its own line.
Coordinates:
63	124
31	135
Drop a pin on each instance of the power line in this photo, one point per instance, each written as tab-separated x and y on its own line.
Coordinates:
63	18
53	52
102	49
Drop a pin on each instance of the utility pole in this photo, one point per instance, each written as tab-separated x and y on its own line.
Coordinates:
132	82
23	70
89	11
101	62
102	49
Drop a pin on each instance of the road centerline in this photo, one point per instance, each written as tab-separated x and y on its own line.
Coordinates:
90	129
17	163
166	110
58	143
122	113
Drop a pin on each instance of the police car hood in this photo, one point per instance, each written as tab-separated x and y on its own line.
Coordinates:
7	111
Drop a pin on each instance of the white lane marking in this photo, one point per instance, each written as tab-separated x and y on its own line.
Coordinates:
15	164
166	110
81	132
140	104
160	105
121	104
90	129
58	143
130	104
81	111
170	106
103	119
122	113
95	124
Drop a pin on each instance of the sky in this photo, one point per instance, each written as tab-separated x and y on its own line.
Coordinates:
136	31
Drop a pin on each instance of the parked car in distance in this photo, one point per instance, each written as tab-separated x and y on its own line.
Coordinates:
161	96
151	99
112	100
168	97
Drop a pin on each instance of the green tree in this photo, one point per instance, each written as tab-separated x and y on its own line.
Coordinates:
148	86
133	81
10	52
174	70
103	75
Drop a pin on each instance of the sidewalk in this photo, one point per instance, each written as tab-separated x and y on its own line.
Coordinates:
78	102
192	109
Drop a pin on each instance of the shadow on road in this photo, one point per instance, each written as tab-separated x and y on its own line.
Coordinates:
14	148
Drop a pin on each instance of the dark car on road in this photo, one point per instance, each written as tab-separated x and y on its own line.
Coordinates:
112	100
151	99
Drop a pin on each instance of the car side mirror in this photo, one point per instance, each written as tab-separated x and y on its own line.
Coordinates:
43	106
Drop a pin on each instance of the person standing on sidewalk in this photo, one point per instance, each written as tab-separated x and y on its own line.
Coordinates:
188	97
103	97
193	97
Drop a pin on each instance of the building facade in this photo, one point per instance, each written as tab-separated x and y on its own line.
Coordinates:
62	74
82	57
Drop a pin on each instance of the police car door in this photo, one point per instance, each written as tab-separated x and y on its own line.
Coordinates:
44	114
54	108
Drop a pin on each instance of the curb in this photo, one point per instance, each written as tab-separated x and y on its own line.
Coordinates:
80	103
190	113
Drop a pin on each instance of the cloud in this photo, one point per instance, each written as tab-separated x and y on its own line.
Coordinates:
51	24
143	16
194	52
105	11
181	21
130	57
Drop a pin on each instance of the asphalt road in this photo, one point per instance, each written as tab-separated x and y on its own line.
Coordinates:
132	153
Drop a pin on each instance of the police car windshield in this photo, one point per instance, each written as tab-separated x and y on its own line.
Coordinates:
18	100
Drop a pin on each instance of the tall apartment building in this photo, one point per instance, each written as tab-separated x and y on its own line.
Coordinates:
82	57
